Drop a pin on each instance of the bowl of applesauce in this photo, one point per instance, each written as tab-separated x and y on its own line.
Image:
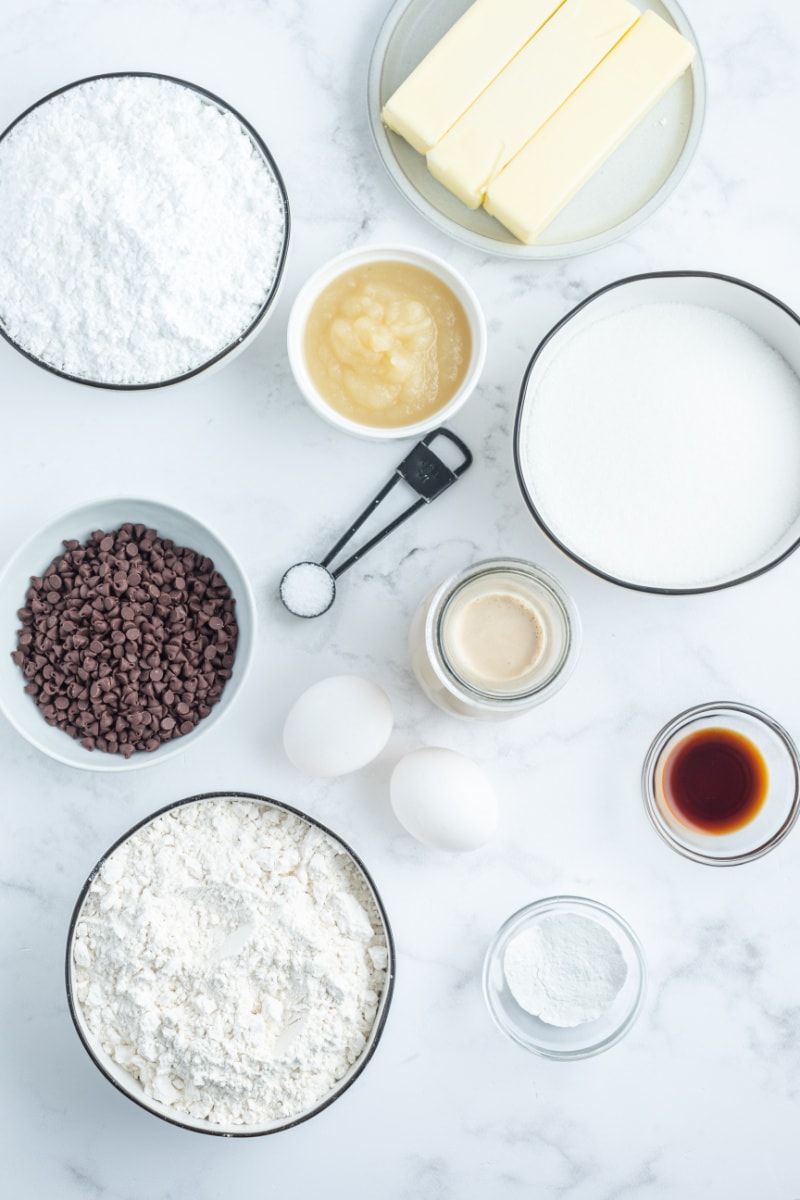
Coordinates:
386	341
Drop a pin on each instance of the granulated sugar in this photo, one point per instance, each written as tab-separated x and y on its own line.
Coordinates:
230	956
662	444
140	231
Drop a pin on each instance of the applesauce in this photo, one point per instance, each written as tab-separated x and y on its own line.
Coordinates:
387	344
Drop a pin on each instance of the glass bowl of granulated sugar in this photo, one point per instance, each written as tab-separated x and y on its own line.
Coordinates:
565	977
230	965
658	432
144	228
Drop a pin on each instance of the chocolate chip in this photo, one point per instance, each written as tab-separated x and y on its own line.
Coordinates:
115	644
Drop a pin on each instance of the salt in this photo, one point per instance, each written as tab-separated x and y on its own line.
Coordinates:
661	446
307	589
141	230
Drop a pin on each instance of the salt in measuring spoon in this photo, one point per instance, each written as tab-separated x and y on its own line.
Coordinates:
308	589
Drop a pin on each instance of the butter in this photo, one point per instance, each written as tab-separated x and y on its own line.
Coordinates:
526	93
460	66
588	127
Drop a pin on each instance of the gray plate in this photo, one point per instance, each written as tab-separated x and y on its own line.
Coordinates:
632	184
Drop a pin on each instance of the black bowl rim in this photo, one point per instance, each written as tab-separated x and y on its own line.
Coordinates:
386	998
260	315
537	516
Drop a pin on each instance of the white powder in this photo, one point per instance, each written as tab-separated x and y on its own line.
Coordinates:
230	957
140	231
662	445
308	589
565	969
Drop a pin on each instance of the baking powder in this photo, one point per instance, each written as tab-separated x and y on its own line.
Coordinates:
230	956
565	969
140	230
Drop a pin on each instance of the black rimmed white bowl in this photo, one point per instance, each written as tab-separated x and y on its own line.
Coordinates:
678	563
130	1087
252	326
36	554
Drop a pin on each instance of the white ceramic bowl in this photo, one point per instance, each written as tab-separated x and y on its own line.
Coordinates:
357	258
233	348
35	556
130	1087
766	316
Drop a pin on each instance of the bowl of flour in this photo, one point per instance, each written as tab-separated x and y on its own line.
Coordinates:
657	436
144	227
230	965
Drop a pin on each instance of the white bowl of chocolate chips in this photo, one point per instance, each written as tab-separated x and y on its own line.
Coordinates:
129	628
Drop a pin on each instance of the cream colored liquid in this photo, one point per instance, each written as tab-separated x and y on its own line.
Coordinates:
495	640
387	344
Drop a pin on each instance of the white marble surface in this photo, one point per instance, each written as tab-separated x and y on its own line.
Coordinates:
701	1100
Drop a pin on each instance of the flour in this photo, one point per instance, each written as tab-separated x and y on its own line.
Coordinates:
565	969
230	956
140	230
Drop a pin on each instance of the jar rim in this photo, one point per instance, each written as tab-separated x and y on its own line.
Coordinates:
442	665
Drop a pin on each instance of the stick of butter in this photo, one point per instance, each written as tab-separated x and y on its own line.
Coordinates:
528	91
460	66
588	127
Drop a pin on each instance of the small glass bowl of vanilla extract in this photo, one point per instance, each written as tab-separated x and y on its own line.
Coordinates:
721	783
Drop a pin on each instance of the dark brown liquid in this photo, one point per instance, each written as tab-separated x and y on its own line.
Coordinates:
715	780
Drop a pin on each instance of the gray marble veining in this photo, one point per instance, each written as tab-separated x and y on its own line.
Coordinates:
701	1101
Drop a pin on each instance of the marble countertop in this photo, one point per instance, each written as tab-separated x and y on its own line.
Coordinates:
702	1098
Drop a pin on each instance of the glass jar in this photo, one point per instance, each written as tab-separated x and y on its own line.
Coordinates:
494	640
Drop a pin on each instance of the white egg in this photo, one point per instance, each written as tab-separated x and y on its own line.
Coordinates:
444	799
337	726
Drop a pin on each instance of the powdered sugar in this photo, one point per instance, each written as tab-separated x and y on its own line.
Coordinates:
140	230
230	956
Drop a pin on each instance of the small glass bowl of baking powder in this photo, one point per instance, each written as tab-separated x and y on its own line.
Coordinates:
565	977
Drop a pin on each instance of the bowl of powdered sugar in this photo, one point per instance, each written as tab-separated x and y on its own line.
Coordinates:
657	438
144	228
230	965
